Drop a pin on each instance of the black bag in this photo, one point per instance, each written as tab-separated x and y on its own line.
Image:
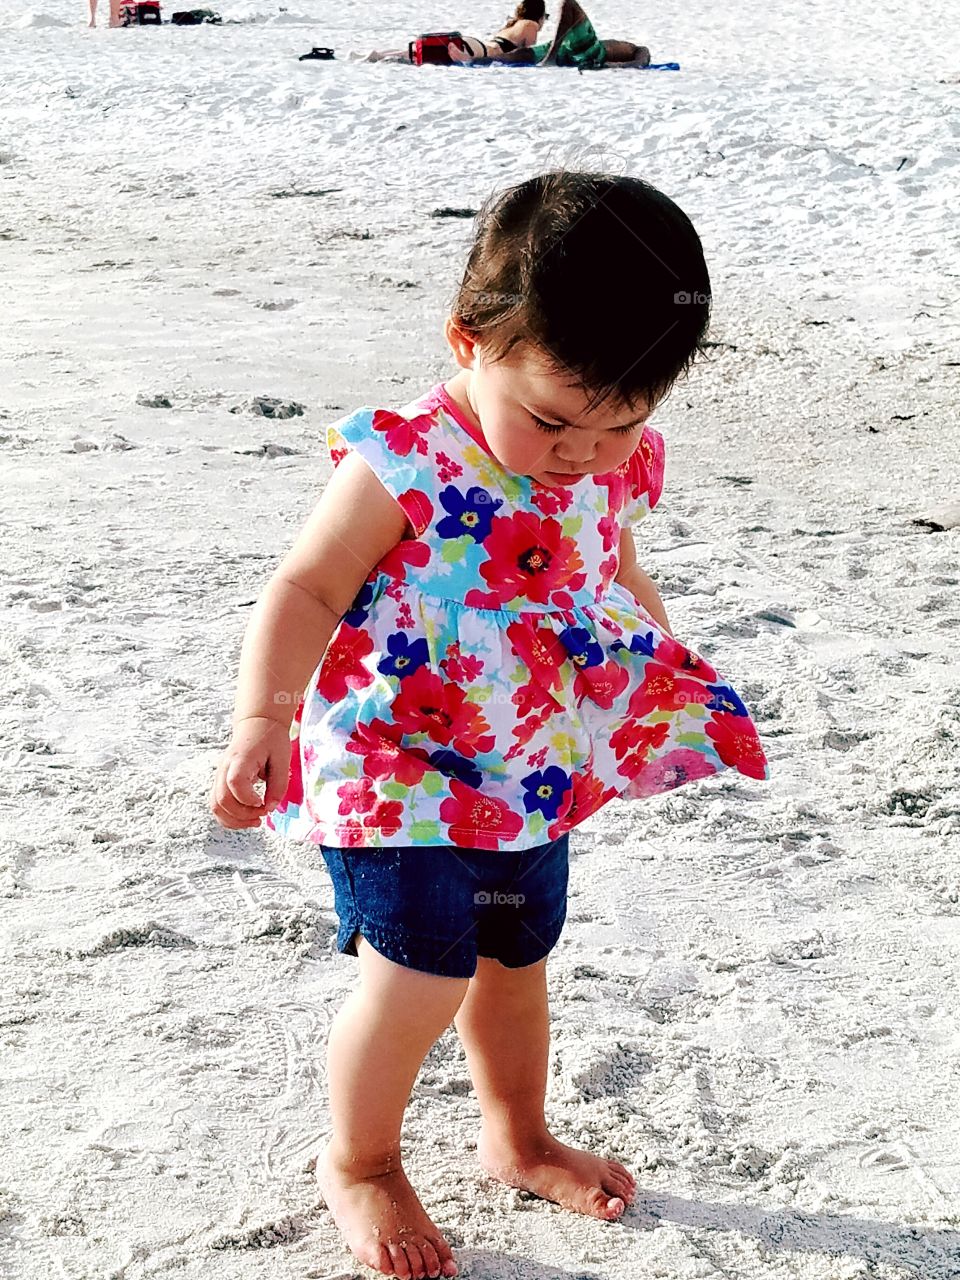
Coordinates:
319	52
192	17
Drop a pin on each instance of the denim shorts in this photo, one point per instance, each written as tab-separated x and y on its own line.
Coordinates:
438	907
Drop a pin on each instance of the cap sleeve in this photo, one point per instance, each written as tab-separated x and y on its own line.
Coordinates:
399	452
644	477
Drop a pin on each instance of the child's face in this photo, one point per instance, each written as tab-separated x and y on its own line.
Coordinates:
515	397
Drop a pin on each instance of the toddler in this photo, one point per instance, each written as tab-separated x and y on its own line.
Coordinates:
459	660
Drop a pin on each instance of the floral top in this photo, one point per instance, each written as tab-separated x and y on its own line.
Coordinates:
492	685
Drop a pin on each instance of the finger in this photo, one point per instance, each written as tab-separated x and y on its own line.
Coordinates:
239	780
277	778
228	820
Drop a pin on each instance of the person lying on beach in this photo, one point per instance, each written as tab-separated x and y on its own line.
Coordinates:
575	44
519	32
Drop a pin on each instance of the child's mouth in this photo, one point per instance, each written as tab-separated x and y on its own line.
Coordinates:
564	477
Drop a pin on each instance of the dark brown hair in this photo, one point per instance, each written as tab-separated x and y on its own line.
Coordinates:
530	9
602	276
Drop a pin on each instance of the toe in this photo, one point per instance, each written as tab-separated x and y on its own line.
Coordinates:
418	1267
448	1266
401	1265
430	1259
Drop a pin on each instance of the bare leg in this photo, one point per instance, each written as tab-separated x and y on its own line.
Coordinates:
114	13
388	55
625	53
376	1046
93	13
503	1023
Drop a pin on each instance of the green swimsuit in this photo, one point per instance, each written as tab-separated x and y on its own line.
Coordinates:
579	48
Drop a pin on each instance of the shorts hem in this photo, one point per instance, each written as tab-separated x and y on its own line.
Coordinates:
537	949
412	951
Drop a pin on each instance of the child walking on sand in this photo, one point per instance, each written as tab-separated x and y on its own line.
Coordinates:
459	660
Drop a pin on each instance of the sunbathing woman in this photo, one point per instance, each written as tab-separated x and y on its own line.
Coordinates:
519	33
575	44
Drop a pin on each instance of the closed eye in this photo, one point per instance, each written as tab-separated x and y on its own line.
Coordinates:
557	428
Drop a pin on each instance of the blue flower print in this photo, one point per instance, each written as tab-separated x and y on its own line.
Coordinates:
582	648
357	613
456	766
544	790
725	699
638	644
472	514
405	658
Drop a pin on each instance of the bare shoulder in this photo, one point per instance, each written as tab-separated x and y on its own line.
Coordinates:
353	525
523	32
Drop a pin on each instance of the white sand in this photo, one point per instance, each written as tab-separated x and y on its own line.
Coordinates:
755	996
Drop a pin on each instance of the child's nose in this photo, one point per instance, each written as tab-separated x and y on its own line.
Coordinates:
577	451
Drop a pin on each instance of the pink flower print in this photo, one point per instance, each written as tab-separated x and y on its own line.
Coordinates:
538	759
448	469
610	530
402	434
670	771
461	668
405	616
356	797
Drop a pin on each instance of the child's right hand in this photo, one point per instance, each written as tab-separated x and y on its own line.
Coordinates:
259	751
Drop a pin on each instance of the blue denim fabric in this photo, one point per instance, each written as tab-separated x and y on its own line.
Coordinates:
437	907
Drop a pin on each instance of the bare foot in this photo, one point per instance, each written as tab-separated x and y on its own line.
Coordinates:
382	1222
574	1179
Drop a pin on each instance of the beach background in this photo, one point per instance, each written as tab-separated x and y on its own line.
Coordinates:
754	999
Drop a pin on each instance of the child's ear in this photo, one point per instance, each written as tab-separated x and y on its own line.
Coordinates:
463	345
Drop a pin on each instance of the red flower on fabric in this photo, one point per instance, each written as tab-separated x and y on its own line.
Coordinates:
608	571
385	816
440	709
736	742
540	649
675	654
408	552
610	532
402	434
550	501
477	821
418	509
529	559
538	759
447	469
638	737
670	771
601	684
342	668
587	795
664	689
356	797
642	473
404	616
531	697
383	757
461	667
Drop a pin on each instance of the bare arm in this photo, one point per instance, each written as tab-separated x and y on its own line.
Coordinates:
631	576
352	527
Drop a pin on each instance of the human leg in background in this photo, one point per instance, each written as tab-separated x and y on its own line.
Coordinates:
93	13
626	53
504	1024
376	1046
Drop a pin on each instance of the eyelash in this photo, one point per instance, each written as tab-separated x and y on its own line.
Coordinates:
554	428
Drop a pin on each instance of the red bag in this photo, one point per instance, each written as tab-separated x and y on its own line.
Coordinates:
431	49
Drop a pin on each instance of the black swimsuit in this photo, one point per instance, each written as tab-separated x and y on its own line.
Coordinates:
506	45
